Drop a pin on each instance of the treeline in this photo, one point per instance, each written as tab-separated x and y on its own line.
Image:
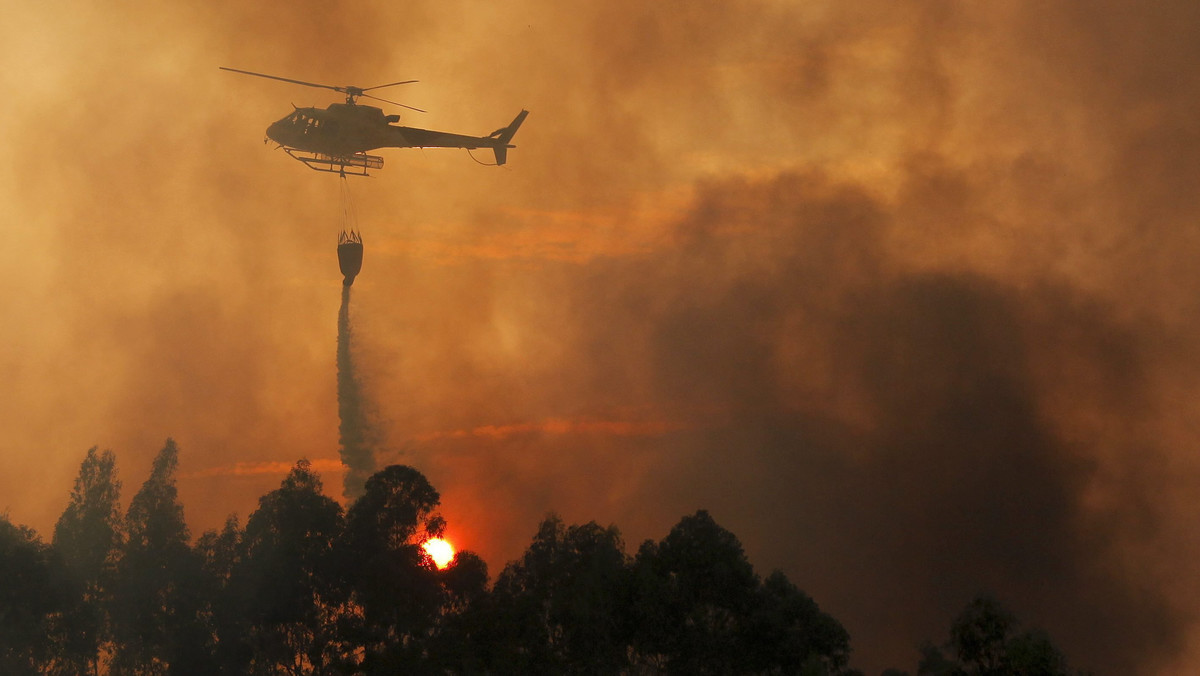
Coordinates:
306	587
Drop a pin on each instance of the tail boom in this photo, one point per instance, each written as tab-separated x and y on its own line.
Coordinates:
498	141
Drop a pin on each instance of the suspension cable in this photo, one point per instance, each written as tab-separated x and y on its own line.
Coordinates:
349	215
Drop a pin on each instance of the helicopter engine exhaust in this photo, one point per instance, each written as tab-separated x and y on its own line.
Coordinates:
350	255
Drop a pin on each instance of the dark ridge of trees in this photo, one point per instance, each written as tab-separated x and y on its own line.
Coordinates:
307	588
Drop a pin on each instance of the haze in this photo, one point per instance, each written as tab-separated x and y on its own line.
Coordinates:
904	293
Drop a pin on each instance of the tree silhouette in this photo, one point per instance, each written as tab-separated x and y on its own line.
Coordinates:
220	553
788	632
454	646
700	609
695	590
561	608
88	537
158	590
988	641
32	598
305	589
465	581
395	583
287	583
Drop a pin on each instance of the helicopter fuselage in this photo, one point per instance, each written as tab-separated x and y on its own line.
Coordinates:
339	130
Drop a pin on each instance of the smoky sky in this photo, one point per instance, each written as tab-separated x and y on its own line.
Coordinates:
896	439
902	292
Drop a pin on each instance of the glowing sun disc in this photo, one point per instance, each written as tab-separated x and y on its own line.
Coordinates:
440	551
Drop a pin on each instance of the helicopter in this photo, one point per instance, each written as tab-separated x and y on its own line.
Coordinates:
336	139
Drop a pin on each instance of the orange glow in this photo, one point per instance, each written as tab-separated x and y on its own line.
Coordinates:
253	468
440	551
619	428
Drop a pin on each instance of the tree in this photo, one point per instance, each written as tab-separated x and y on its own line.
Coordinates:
88	537
465	580
935	663
454	645
220	554
32	598
158	593
980	636
788	632
220	551
562	607
1030	653
989	641
88	533
696	591
287	583
397	502
699	608
394	582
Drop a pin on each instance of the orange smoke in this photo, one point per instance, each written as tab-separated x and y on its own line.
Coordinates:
620	428
263	467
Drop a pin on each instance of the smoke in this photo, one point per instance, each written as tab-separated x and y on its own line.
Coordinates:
268	468
897	436
904	293
355	435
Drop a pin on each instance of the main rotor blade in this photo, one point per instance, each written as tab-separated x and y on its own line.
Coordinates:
389	85
284	79
402	105
352	91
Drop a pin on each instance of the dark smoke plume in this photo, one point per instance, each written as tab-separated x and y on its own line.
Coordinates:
353	430
898	438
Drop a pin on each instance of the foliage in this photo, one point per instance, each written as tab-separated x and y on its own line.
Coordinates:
286	585
158	598
87	538
88	533
306	588
32	599
699	608
561	606
220	553
394	583
987	640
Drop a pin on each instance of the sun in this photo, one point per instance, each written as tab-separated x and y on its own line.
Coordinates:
440	551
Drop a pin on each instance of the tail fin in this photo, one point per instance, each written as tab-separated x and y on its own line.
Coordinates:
504	135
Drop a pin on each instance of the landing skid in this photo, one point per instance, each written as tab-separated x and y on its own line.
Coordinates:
354	165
